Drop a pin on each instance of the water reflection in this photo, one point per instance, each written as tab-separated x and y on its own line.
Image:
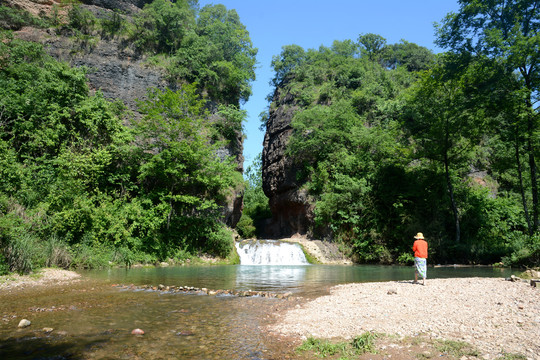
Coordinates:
270	277
301	279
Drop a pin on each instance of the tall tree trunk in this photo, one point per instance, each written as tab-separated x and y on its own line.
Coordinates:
521	188
452	199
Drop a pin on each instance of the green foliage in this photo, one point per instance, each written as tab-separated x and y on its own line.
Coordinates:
507	33
245	227
342	138
409	55
365	342
290	58
322	348
220	241
456	349
162	25
230	126
113	24
388	141
80	188
405	259
14	19
81	19
180	169
256	208
4	268
210	47
57	253
526	251
372	45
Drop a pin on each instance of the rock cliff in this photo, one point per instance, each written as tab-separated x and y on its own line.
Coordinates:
289	203
115	69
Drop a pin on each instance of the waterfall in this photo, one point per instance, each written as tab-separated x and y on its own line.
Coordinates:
270	252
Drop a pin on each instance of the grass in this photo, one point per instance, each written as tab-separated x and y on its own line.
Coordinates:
323	348
423	348
456	349
365	343
362	344
513	357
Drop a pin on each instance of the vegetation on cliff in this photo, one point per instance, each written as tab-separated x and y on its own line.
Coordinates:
392	139
86	183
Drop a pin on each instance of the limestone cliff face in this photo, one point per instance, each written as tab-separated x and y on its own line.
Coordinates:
115	69
291	210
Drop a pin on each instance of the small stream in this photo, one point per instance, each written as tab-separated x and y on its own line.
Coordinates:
93	319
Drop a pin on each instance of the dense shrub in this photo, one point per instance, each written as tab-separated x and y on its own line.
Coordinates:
245	227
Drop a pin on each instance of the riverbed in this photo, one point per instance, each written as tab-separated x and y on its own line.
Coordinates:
92	318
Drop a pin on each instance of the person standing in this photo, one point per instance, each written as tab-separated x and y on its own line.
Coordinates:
420	248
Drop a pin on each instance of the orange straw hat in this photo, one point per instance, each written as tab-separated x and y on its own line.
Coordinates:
419	236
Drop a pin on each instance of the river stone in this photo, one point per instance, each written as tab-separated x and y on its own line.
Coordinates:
24	323
137	332
184	333
48	330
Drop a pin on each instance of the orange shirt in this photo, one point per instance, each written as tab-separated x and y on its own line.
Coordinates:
420	248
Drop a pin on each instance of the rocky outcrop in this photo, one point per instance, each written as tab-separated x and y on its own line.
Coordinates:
115	69
44	7
289	203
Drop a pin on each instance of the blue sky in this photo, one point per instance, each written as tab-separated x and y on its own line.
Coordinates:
311	23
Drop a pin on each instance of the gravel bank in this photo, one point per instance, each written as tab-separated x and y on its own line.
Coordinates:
43	277
492	314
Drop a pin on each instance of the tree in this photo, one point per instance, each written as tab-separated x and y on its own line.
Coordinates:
372	45
410	55
507	30
181	171
445	120
256	207
231	53
345	48
162	25
291	57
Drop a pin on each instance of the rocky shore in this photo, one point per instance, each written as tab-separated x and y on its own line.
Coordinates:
43	277
496	316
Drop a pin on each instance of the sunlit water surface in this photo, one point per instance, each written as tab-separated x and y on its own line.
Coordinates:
93	320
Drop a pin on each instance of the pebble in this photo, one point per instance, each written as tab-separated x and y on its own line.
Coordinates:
205	291
137	332
48	330
184	333
483	312
24	323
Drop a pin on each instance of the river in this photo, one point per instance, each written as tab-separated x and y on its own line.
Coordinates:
93	319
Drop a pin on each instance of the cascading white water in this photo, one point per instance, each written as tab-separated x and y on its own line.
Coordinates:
270	252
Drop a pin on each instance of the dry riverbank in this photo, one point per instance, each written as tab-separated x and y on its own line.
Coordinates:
42	277
494	315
